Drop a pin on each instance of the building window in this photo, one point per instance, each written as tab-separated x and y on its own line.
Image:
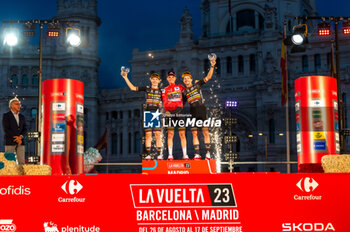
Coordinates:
87	34
162	75
86	117
114	115
272	131
137	142
245	18
14	80
305	63
218	66
328	60
129	114
317	60
345	110
35	80
240	64
24	80
121	143
129	142
33	113
121	114
228	64
137	113
114	144
251	169
107	116
252	63
206	65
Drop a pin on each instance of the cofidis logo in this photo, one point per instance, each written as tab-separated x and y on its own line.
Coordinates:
6	225
15	190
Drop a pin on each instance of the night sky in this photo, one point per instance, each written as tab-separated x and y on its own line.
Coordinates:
151	24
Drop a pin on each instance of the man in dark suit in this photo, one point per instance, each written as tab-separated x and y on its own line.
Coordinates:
15	129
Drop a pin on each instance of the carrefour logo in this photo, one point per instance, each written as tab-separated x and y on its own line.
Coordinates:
307	184
71	187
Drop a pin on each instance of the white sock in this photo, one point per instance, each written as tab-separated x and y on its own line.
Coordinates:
184	151
170	150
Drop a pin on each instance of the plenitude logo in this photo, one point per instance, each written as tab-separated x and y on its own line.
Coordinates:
52	227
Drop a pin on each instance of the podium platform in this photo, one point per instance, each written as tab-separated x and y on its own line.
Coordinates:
179	167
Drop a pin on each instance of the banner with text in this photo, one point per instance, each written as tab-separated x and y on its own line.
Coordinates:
248	202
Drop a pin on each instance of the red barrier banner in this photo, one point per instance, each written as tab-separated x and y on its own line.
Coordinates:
248	202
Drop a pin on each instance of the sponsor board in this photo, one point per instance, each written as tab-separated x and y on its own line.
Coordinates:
57	148
317	103
80	138
58	126
59	106
80	108
58	117
80	149
317	125
57	138
236	202
320	146
319	135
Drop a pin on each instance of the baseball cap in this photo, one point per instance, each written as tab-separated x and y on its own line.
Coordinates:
155	75
171	73
186	74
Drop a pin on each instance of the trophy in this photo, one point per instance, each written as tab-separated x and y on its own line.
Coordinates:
125	69
212	56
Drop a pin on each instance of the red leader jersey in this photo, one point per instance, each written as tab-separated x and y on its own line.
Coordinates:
172	97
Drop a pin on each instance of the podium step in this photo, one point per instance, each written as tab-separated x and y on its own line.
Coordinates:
179	167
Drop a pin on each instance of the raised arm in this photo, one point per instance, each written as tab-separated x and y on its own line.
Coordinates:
125	76
211	71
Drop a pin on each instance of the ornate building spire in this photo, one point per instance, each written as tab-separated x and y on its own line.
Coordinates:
186	33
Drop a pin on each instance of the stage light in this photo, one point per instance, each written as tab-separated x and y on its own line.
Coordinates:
53	30
73	36
299	34
11	36
324	29
28	30
298	39
346	28
231	104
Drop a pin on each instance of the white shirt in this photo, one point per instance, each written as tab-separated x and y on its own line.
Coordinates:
16	117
